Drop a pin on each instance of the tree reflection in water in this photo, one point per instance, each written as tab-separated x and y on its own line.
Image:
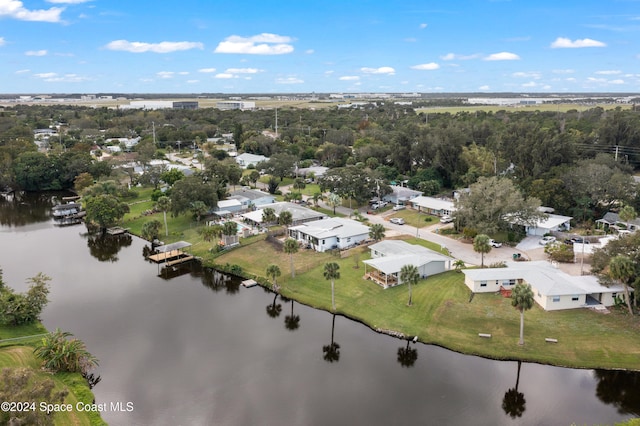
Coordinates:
513	402
105	247
331	352
217	281
291	322
620	389
407	356
274	310
23	208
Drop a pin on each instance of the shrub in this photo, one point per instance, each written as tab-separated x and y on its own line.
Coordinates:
560	252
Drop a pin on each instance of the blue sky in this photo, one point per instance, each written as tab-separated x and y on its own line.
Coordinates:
292	46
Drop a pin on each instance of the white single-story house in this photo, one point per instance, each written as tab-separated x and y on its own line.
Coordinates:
299	214
318	171
228	207
553	223
330	233
401	195
434	206
245	159
249	197
552	288
389	256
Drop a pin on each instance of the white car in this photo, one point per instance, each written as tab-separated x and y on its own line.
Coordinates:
494	243
398	207
547	240
446	219
397	220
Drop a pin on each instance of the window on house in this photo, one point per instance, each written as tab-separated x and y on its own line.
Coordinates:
483	283
575	298
512	282
349	239
614	295
322	241
539	295
556	298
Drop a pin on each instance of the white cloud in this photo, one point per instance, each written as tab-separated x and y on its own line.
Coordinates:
502	56
349	78
565	43
261	44
68	1
2	41
46	75
529	74
165	74
608	72
485	87
566	71
453	57
15	9
289	80
53	77
23	71
530	84
617	81
243	70
381	70
426	67
224	75
193	81
423	26
207	70
309	51
162	47
36	53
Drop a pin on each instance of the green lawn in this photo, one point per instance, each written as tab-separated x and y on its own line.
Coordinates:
442	314
416	218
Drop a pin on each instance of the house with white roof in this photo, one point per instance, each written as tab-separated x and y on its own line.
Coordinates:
552	223
552	288
330	233
245	159
389	256
299	214
401	195
434	206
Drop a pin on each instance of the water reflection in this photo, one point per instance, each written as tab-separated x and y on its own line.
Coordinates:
24	208
291	322
620	389
513	402
331	352
407	356
273	310
105	247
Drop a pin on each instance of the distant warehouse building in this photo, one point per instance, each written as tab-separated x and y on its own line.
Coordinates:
228	105
149	104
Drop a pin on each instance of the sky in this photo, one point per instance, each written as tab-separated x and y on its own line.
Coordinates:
333	46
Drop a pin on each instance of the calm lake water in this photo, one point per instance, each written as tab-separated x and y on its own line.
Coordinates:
196	349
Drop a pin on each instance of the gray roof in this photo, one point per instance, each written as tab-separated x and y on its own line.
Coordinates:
251	194
298	212
173	246
397	253
332	227
612	218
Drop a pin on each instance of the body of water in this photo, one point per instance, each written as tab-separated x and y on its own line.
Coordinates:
190	347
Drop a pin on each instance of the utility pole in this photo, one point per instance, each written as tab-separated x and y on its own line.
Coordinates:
276	123
616	156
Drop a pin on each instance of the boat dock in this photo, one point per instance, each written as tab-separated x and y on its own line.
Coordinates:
171	254
249	283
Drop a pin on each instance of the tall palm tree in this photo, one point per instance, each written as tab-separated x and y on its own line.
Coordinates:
291	247
376	231
628	213
317	196
332	272
331	352
334	200
285	219
409	274
274	310
623	269
164	204
522	300
273	272
268	216
229	229
482	245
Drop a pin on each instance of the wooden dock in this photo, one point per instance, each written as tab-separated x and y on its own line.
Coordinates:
249	283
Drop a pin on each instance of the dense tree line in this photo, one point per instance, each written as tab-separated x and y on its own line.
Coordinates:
577	161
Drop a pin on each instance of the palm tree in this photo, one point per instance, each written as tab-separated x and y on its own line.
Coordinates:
513	402
273	272
268	216
317	196
376	231
522	300
410	275
164	204
334	200
458	265
331	351
291	247
210	232
481	245
198	209
230	229
628	213
59	353
274	310
332	272
150	230
407	356
285	219
623	269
